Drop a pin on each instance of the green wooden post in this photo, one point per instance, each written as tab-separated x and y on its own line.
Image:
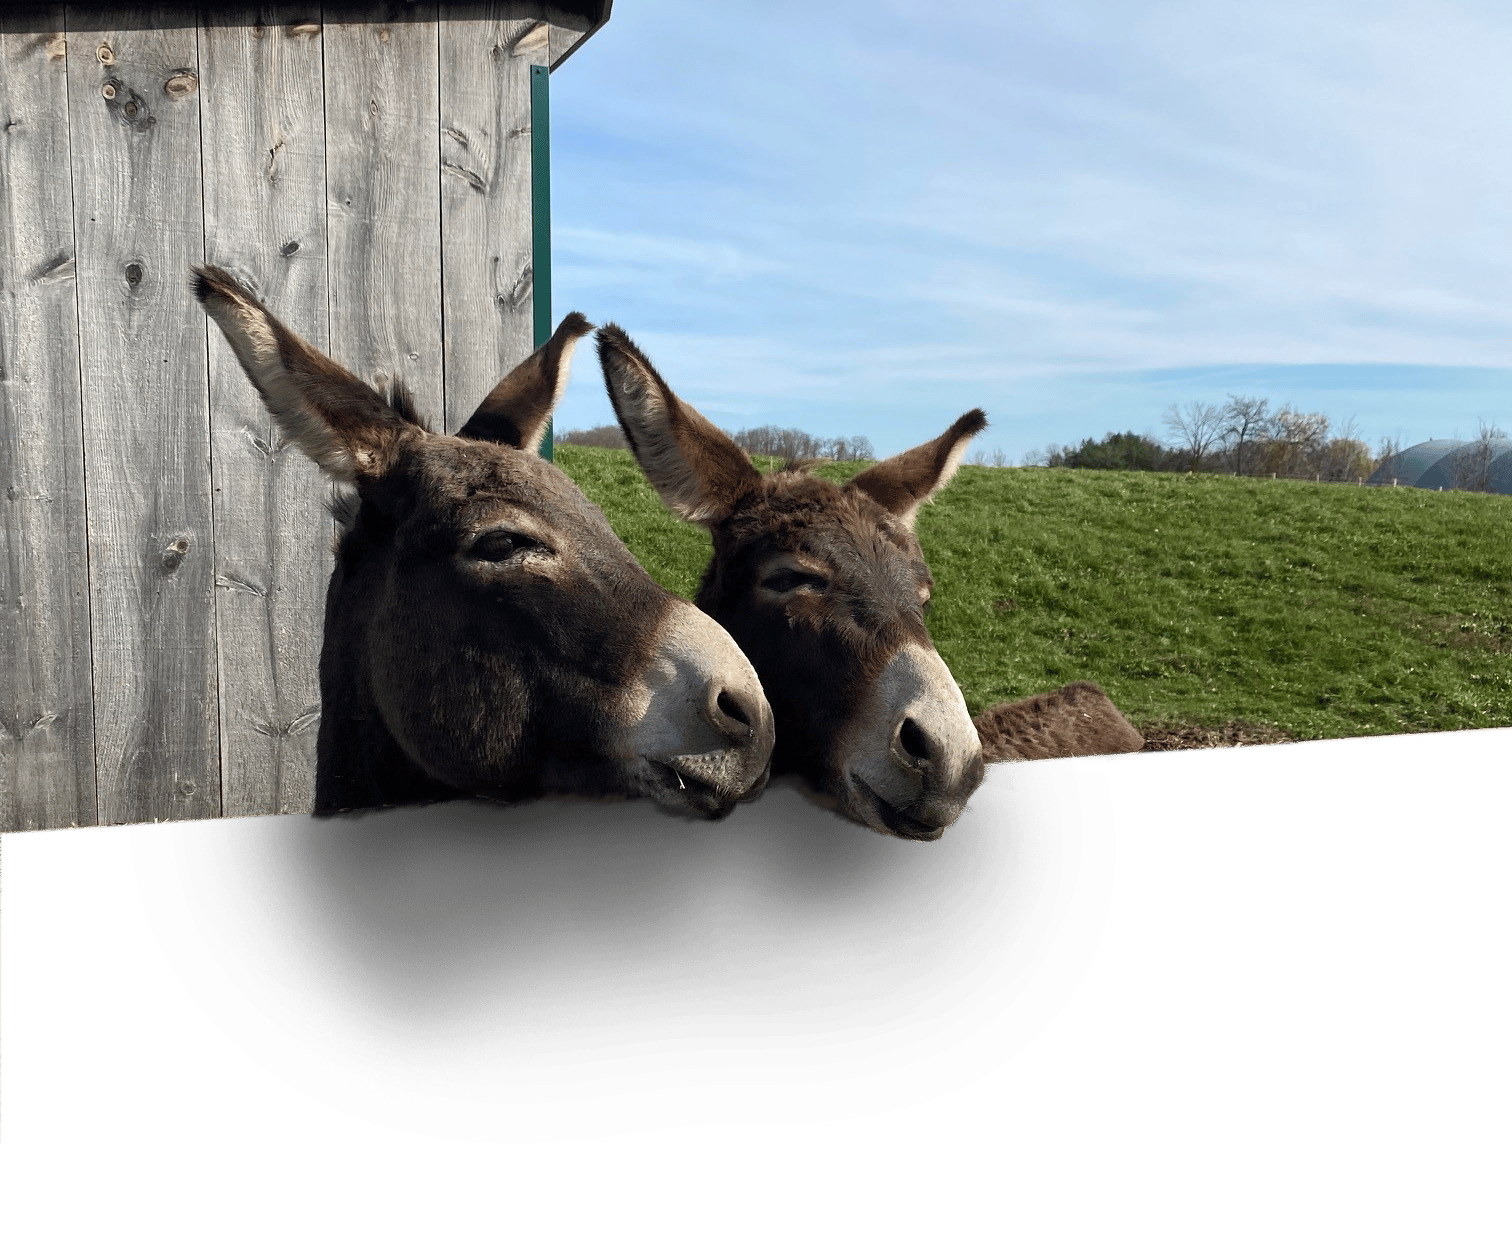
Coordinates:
540	214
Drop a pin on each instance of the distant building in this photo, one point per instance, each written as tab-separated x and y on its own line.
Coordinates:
1481	466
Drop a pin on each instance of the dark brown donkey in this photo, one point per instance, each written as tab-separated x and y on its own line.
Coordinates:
486	633
824	588
1076	721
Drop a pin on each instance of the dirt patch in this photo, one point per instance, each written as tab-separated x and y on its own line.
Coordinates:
1162	736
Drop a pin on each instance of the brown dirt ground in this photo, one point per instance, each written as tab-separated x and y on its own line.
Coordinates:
1162	736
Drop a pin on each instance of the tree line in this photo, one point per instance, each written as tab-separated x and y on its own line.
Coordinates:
1247	436
788	442
1244	436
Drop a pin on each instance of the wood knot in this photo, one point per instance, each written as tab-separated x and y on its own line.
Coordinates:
532	39
172	556
133	273
105	55
289	249
383	34
304	28
127	106
57	48
181	84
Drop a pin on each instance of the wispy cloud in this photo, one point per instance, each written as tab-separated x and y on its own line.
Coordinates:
840	211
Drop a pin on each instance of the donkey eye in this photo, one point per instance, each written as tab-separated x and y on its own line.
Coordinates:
787	579
498	546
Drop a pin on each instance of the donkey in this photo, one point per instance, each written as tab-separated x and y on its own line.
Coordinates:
825	590
1076	721
486	633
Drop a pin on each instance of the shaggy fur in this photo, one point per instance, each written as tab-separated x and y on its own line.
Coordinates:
824	588
486	632
1071	722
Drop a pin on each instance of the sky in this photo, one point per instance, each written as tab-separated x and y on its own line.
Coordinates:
867	218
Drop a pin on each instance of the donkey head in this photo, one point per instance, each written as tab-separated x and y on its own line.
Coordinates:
486	632
824	588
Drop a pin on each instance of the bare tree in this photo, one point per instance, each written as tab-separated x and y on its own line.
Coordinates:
607	436
1291	442
1198	425
1387	452
1472	462
795	445
1245	419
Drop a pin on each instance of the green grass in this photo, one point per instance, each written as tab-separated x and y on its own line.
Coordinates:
1320	609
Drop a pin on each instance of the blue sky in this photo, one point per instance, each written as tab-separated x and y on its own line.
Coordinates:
867	218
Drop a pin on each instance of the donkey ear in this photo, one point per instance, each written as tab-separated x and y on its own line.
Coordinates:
329	413
517	410
698	470
903	483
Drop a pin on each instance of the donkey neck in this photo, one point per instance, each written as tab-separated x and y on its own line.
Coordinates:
361	764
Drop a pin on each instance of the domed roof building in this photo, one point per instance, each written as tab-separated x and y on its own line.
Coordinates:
1476	465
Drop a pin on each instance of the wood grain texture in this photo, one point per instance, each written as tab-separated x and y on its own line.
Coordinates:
487	281
563	41
383	197
262	112
47	773
134	124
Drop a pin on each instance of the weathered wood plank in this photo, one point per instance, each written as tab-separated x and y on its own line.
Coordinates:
383	196
47	772
563	41
261	107
134	125
487	282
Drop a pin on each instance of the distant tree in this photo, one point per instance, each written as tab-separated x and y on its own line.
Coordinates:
795	445
1344	458
1290	443
1198	425
607	436
1387	451
1117	451
1245	418
848	448
1471	469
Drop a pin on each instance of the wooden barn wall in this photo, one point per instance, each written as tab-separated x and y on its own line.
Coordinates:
166	552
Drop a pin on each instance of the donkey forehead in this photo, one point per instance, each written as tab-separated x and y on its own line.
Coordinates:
467	481
802	514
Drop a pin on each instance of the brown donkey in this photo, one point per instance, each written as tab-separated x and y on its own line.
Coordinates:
486	632
1076	721
824	588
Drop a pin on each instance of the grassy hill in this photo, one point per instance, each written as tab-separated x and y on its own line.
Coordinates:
1318	609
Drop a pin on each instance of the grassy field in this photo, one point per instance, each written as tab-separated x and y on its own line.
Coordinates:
1196	601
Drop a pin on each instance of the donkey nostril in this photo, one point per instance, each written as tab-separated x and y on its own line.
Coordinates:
731	708
913	741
